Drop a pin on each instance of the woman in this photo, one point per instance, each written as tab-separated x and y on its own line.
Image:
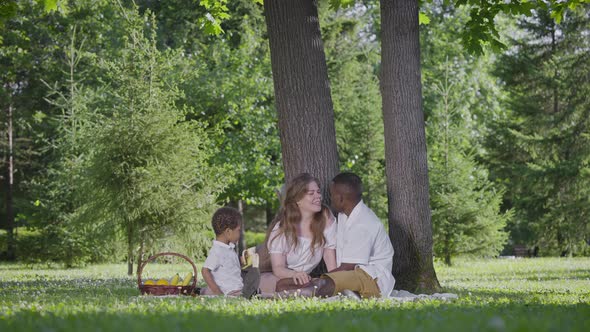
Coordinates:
303	234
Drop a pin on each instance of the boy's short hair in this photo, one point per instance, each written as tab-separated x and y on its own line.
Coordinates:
224	218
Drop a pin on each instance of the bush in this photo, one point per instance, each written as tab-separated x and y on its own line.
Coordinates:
254	238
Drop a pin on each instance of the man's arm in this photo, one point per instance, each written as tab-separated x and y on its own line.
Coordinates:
345	267
208	277
330	259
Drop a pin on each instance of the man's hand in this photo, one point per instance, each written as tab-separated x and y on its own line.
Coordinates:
344	267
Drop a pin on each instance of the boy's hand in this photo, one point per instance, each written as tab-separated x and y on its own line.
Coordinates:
210	281
247	257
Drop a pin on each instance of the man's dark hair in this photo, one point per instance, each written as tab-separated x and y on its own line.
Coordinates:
224	218
352	182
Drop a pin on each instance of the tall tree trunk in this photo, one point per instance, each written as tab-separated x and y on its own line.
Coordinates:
129	249
242	241
410	225
302	90
140	255
11	239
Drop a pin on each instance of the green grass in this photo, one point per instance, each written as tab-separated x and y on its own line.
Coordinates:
548	294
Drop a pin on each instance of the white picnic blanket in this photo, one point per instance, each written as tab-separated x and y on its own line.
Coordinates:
405	296
401	296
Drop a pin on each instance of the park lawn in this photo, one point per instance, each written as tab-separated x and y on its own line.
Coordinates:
543	294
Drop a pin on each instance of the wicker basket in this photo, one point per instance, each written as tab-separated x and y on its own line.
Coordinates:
160	290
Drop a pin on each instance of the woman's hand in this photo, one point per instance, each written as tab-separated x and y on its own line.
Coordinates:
301	278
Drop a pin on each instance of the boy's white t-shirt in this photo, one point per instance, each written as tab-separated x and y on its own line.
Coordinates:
225	267
362	240
302	258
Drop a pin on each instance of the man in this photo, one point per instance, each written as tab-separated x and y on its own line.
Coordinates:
364	254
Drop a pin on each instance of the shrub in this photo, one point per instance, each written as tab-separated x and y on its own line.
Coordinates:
254	238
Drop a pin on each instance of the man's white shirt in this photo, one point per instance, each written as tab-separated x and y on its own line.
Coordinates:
362	240
225	267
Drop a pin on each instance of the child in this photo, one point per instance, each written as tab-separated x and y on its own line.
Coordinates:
222	271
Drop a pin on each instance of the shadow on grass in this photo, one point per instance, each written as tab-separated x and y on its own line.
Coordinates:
521	296
341	316
573	274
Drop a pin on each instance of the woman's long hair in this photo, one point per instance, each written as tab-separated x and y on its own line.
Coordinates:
289	215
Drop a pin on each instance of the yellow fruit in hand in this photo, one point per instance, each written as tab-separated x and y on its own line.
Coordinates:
248	257
187	279
162	282
149	282
174	280
248	261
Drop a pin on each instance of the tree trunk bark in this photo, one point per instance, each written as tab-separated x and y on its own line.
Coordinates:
11	239
410	225
129	250
140	255
242	241
302	90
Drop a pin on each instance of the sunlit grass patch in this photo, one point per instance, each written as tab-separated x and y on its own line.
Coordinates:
495	295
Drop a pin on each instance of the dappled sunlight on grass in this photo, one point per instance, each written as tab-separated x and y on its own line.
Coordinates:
538	280
495	295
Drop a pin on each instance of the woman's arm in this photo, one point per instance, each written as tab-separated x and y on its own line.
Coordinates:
330	259
280	269
208	277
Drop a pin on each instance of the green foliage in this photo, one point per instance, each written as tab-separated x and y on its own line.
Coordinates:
95	68
7	10
506	295
52	244
69	118
337	4
481	30
235	92
459	98
148	173
54	5
232	93
541	149
353	65
423	19
217	74
465	206
29	55
217	12
253	238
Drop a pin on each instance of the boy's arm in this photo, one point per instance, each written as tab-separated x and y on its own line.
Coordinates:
208	277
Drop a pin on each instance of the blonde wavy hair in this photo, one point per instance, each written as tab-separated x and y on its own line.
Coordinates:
289	215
